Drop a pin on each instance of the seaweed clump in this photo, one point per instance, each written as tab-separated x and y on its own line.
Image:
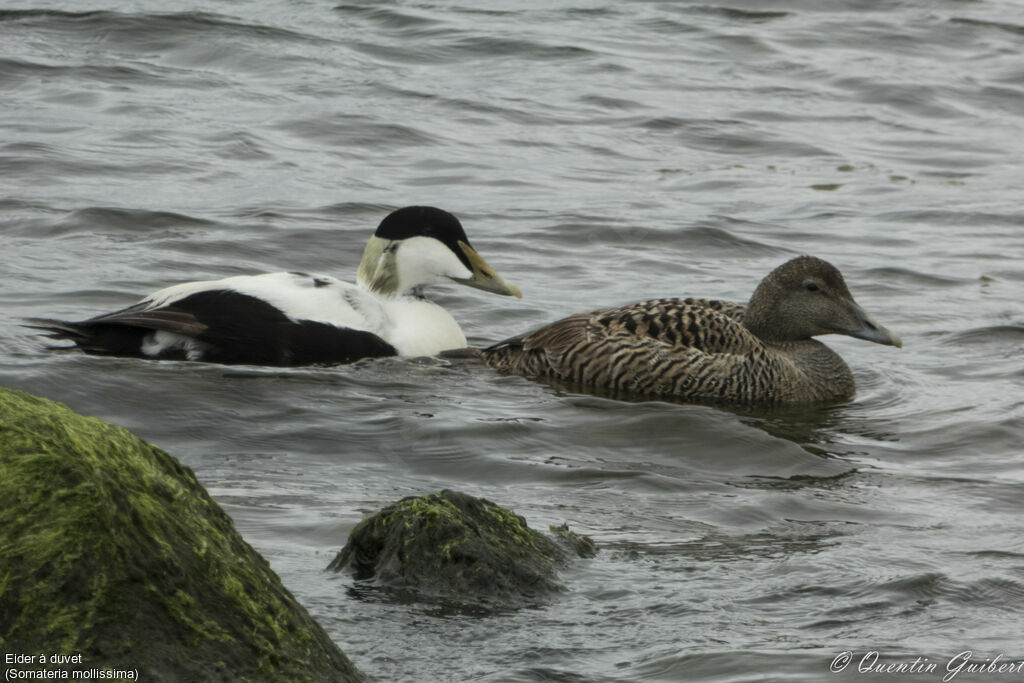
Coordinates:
112	554
457	549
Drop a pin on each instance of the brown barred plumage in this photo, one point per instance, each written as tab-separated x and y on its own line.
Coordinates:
707	350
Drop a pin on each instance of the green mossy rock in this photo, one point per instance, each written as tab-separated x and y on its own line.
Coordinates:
460	550
111	549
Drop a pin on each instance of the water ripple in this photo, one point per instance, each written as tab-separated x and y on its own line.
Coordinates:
597	154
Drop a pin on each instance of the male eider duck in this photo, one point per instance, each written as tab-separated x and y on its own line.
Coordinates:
708	351
300	319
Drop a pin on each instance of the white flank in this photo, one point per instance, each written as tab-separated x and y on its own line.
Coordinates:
415	327
159	342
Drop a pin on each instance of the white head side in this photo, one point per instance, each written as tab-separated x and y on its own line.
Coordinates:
423	261
419	246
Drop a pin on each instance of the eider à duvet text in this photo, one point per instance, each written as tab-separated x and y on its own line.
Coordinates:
705	350
300	319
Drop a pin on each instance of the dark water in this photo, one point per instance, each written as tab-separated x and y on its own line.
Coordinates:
598	153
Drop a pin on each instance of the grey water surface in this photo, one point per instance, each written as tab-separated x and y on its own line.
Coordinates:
598	153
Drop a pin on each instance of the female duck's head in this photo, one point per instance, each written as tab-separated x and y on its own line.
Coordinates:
805	297
422	245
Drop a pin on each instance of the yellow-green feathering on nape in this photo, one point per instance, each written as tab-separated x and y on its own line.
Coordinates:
318	319
377	267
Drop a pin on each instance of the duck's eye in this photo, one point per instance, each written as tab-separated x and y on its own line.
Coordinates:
811	287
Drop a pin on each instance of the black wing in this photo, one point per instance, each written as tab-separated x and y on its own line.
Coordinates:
228	327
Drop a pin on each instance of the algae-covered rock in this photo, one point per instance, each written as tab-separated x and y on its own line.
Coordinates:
457	548
110	549
582	546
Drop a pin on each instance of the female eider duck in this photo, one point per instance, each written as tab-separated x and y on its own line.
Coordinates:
708	351
300	319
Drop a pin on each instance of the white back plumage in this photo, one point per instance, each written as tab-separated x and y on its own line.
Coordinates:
415	327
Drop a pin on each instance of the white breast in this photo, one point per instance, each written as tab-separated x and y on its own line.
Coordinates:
420	328
415	327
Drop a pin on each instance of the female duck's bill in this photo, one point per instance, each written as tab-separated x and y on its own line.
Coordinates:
708	350
299	319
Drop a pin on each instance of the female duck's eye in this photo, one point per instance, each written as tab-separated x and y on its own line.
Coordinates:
811	287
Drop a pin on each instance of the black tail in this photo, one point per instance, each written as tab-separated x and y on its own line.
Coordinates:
57	329
96	338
